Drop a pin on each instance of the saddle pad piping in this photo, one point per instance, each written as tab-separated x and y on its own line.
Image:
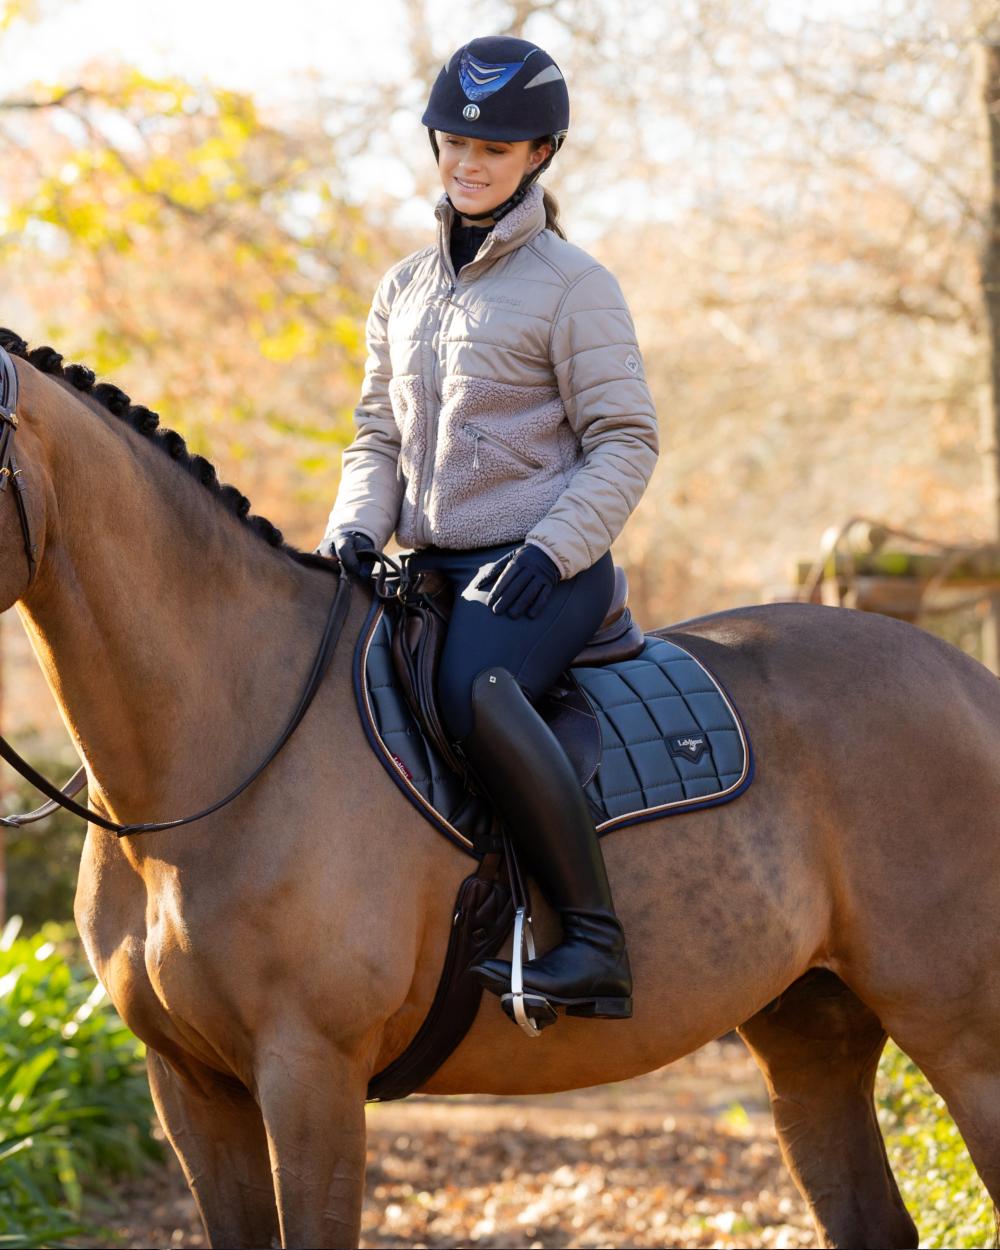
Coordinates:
723	796
385	756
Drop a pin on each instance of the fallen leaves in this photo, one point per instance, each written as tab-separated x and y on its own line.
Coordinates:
575	1176
682	1157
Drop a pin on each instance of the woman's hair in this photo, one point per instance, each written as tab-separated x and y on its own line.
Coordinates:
549	200
552	213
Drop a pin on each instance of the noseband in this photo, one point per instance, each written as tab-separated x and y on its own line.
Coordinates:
339	605
10	474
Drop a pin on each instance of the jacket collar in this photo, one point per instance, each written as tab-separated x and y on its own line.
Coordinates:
519	226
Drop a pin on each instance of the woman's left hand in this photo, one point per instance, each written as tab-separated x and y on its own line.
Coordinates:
524	583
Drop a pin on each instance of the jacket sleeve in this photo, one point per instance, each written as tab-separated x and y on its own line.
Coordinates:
371	488
600	376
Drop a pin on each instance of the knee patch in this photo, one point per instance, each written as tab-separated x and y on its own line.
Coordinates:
459	696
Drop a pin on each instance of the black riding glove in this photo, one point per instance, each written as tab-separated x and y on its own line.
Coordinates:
521	581
349	545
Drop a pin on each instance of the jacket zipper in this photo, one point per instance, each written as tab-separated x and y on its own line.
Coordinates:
476	433
432	423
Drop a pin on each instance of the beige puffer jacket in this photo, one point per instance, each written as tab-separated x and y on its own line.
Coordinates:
507	404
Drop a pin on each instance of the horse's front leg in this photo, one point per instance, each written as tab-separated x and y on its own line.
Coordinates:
312	1095
216	1129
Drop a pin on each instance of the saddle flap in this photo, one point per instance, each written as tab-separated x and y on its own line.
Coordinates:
567	712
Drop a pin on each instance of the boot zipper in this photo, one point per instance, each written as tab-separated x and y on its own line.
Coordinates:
475	433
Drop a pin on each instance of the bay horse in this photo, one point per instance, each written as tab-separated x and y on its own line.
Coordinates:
277	953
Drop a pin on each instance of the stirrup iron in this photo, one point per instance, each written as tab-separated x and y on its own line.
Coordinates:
531	1012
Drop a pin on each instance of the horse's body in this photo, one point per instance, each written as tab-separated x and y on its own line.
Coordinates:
276	954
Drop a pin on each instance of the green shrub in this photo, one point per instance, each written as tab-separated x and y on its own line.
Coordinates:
75	1110
42	860
936	1177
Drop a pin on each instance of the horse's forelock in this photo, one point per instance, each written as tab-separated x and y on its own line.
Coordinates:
147	423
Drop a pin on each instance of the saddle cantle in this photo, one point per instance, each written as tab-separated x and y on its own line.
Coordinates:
648	729
619	637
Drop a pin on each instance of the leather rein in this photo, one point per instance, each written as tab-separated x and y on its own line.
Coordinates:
10	473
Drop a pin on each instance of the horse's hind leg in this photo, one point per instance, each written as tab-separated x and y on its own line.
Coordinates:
818	1046
217	1131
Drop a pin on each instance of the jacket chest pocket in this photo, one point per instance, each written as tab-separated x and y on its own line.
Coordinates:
477	435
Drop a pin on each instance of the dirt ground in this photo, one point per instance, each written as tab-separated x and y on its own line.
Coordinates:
683	1157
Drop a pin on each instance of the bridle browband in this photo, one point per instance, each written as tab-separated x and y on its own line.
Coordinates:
63	798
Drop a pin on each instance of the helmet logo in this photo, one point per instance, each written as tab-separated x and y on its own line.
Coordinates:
470	112
481	78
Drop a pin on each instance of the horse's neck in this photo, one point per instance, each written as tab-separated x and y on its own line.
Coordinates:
173	639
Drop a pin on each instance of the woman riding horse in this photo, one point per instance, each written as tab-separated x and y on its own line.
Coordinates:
506	432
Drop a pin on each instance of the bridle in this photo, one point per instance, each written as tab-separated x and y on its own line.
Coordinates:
336	617
9	472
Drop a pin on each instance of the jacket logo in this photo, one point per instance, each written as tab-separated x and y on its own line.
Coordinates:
508	301
632	363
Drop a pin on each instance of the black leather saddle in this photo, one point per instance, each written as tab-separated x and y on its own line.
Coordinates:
420	606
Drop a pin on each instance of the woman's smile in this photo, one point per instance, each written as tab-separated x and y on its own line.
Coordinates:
505	163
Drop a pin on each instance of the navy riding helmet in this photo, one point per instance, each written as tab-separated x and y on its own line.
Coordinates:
504	89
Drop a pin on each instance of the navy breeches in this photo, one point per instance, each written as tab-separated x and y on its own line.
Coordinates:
534	651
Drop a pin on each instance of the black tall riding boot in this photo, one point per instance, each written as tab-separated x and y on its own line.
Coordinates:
525	771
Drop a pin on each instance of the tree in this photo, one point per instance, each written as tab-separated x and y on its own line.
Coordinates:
204	257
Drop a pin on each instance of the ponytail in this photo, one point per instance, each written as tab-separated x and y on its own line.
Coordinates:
552	213
548	199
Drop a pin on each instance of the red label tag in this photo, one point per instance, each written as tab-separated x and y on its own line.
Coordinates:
402	768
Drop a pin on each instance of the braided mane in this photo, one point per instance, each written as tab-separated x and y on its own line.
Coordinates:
147	423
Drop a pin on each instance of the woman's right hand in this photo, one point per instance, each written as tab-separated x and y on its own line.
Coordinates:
347	545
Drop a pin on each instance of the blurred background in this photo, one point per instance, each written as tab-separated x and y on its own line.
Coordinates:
801	199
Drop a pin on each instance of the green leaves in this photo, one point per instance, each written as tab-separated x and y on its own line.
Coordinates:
935	1174
74	1102
208	257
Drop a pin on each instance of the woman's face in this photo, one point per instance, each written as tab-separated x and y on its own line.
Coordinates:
479	174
